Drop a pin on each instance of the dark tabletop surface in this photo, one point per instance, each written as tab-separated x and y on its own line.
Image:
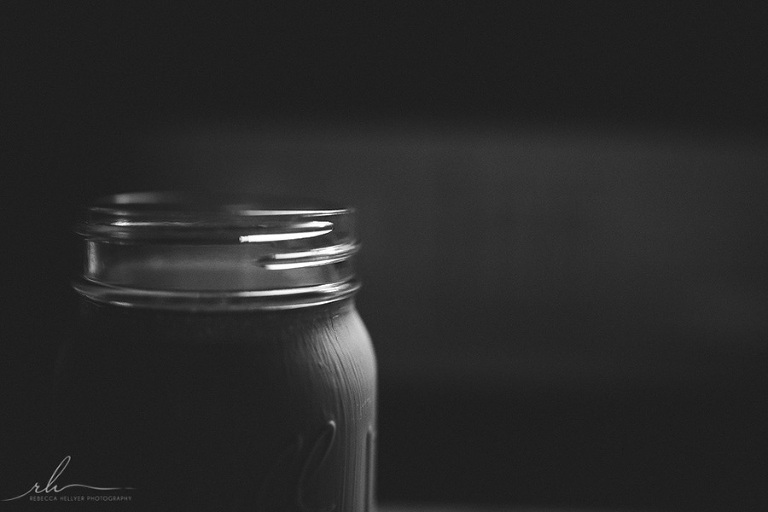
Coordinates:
472	508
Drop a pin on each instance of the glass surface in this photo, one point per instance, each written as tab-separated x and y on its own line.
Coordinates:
216	251
221	363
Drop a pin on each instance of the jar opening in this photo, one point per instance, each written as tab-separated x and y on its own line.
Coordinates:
216	250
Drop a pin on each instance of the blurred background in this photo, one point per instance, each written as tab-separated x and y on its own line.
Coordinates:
562	206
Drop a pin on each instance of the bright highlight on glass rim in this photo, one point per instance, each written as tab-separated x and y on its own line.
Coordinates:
321	228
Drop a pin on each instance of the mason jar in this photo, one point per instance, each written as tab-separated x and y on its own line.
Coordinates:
221	364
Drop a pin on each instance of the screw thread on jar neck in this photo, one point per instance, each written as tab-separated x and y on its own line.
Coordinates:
175	250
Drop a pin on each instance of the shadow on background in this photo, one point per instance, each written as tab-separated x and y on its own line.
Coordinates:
562	210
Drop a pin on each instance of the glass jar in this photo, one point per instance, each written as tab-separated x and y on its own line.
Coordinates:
222	365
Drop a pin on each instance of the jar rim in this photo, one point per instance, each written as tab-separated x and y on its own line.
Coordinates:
229	202
180	212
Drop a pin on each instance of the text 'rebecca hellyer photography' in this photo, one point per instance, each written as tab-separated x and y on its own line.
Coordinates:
52	491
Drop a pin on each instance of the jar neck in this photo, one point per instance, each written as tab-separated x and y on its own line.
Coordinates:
185	251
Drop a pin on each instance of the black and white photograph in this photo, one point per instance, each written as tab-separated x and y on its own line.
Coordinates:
384	256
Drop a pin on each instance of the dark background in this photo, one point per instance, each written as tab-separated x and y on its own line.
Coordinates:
562	206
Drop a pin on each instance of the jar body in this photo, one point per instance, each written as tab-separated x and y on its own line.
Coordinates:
203	410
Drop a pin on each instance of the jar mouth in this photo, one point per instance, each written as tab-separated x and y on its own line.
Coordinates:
195	249
221	217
